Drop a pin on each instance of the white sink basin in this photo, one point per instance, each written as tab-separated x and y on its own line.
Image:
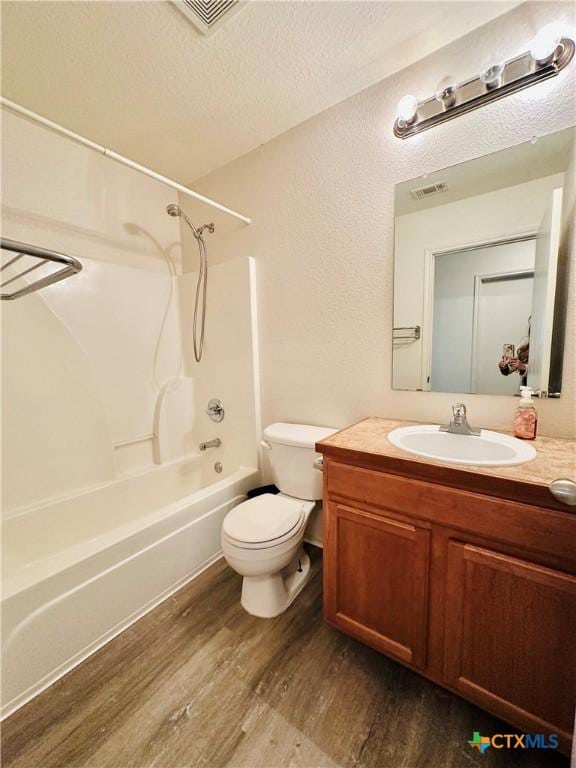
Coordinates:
488	449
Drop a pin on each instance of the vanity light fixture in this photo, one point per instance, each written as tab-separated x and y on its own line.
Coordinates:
549	53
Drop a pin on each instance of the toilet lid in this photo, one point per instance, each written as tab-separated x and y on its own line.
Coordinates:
263	518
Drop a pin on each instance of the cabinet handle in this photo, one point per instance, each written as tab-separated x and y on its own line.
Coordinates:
564	491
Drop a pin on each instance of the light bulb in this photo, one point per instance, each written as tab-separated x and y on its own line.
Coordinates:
447	92
492	76
545	44
407	109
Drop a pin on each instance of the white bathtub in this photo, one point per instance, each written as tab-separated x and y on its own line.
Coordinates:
79	570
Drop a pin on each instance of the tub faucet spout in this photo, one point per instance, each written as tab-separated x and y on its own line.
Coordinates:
216	443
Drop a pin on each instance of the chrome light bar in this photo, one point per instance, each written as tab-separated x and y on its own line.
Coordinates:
496	82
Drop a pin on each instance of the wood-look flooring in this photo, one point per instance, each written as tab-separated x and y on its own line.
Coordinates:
199	682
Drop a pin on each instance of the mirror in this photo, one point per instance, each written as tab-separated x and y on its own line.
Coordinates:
480	272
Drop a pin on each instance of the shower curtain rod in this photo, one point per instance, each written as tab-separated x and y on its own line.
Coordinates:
120	158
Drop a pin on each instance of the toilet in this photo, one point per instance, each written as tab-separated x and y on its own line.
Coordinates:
262	538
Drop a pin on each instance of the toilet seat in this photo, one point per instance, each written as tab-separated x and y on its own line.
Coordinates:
264	521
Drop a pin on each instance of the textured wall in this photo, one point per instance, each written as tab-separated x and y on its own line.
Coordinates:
322	200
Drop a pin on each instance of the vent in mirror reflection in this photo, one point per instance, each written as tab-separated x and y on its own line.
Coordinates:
431	189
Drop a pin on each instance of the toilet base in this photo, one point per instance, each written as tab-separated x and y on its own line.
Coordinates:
269	596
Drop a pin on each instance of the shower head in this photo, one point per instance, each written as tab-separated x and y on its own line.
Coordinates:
175	210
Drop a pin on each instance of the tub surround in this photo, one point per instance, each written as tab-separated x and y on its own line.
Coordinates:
467	575
367	443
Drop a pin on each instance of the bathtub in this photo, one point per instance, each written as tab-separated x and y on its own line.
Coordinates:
80	570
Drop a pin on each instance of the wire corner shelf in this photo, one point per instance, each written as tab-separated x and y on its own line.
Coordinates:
41	257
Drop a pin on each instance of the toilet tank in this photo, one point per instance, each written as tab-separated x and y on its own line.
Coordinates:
291	453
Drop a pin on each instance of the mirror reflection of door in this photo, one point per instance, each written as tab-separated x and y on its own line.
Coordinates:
482	299
502	315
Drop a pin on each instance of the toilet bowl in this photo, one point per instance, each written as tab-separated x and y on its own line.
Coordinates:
262	538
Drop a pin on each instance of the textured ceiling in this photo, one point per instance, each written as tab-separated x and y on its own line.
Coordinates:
139	78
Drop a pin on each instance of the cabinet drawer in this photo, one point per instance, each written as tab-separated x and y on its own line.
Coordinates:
535	528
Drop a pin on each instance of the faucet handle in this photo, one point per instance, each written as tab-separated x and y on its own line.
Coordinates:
215	410
459	409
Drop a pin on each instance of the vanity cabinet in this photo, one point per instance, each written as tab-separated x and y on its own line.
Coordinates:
476	592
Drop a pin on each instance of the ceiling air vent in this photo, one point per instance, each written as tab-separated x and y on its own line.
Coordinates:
431	189
207	15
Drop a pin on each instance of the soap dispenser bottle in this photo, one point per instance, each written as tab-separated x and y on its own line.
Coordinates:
525	418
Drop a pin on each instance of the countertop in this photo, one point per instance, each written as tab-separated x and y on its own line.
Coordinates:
366	443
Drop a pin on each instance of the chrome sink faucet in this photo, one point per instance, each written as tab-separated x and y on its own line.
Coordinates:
459	424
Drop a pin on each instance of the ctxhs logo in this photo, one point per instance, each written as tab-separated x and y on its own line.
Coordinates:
481	743
514	741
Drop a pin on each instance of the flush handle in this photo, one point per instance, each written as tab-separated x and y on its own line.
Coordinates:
319	463
564	491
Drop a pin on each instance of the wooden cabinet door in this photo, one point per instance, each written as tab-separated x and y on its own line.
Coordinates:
376	581
510	637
